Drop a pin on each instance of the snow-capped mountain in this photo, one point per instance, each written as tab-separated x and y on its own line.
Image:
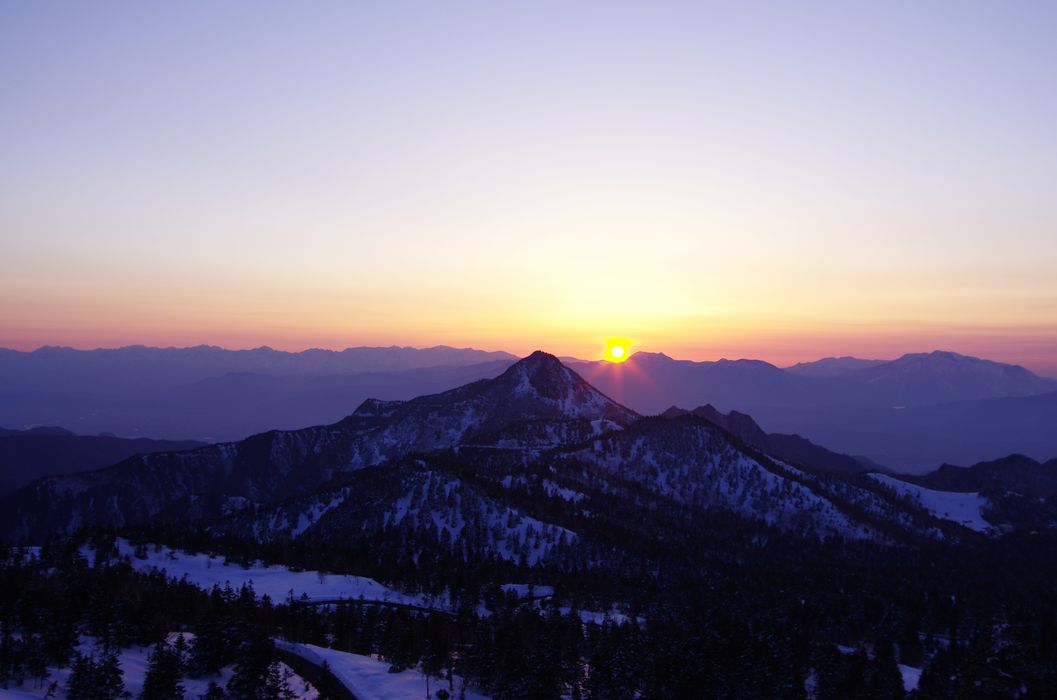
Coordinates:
514	467
538	389
419	502
547	399
937	376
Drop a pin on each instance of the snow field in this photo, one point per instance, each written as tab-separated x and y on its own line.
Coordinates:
368	678
277	582
966	509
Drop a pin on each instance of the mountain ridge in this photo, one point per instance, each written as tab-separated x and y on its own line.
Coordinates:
30	454
536	415
293	462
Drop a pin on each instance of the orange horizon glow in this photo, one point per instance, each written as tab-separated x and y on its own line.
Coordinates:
397	180
1032	347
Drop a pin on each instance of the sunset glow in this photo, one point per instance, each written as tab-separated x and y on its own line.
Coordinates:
780	185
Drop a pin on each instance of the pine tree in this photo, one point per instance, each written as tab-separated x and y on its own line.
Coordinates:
111	679
80	685
95	680
212	646
255	659
162	681
182	650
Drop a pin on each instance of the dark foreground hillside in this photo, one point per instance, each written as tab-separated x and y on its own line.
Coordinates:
528	537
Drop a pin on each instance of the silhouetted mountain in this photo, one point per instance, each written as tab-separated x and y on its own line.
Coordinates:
38	430
891	412
649	382
917	438
791	448
829	367
1012	473
738	424
26	455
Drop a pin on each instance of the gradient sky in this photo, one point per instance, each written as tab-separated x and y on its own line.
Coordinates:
782	181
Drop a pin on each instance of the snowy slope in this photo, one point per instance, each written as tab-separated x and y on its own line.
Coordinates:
423	503
966	509
911	677
133	663
538	391
693	462
368	678
277	582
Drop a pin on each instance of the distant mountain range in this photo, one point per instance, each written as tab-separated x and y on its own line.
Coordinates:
653	381
832	367
910	413
470	458
210	393
62	369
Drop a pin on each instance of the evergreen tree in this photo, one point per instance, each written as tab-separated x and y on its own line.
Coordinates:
252	670
212	646
92	679
81	684
111	679
164	671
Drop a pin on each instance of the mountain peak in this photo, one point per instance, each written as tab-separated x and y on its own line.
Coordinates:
539	358
543	376
948	362
536	388
540	373
938	355
949	356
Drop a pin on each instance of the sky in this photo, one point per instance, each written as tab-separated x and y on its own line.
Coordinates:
783	181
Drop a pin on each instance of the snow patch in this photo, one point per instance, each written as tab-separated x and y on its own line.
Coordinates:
966	509
527	590
368	678
277	582
911	677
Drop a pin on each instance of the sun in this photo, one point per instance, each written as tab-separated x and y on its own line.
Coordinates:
617	349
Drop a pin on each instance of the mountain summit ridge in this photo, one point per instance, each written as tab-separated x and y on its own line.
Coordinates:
537	415
281	463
